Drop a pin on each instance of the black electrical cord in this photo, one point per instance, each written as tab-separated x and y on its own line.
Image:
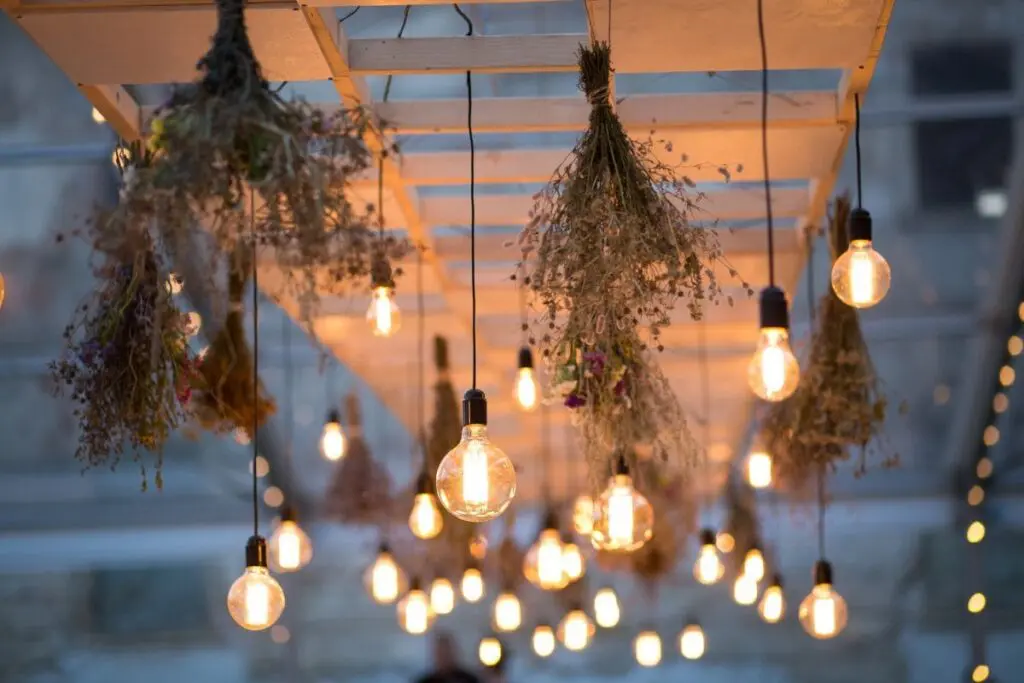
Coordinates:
472	207
420	341
350	14
764	142
856	146
401	32
255	370
380	196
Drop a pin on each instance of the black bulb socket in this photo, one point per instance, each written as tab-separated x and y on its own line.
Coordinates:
774	308
381	275
550	519
567	538
474	408
424	484
707	537
525	358
383	548
860	225
777	580
415	585
621	466
822	573
256	552
288	513
333	416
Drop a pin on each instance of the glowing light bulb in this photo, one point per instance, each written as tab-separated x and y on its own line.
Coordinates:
476	480
860	276
543	640
773	602
583	514
823	612
753	564
508	612
976	603
576	630
290	547
574	566
255	600
647	648
442	596
332	439
692	642
384	578
774	372
623	518
472	585
489	651
526	381
606	608
543	562
708	568
97	117
759	469
383	315
425	520
415	614
744	590
976	532
980	673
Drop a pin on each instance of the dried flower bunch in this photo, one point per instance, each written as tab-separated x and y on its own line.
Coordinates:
612	246
228	134
127	365
839	404
225	400
360	490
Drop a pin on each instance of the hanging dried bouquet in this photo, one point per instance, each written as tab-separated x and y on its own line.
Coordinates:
839	404
611	248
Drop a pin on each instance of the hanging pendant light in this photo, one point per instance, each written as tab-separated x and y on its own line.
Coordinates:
860	276
383	315
708	568
472	584
576	629
508	612
744	590
647	648
583	514
823	612
290	547
332	439
526	381
773	602
442	596
543	640
384	579
425	520
773	372
574	565
255	600
623	517
489	651
759	469
692	642
476	481
607	611
543	564
753	563
415	615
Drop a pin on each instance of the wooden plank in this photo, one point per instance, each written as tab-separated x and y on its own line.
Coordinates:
86	5
117	106
638	112
480	54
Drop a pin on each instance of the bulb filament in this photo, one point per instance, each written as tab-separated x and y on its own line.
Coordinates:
475	487
257	604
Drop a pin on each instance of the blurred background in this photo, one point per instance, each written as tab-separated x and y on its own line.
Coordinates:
99	582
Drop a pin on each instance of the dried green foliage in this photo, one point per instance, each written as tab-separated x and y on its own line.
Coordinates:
228	142
230	395
611	248
126	365
839	404
360	490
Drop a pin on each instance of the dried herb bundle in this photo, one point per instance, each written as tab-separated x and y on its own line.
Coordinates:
612	246
360	491
127	364
229	133
225	399
839	404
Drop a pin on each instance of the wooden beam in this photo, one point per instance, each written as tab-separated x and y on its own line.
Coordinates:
480	54
117	106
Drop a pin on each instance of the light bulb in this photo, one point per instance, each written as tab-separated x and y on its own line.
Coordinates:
823	612
543	640
860	276
606	608
255	599
773	602
542	565
753	564
526	381
576	630
583	514
332	440
384	578
290	547
425	520
708	568
773	372
759	469
647	648
97	117
574	565
980	673
472	585
976	532
442	596
489	651
692	642
383	315
476	480
415	614
744	590
508	612
623	518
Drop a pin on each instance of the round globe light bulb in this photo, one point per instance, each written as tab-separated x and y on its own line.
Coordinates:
623	517
861	276
442	596
744	590
508	612
773	603
606	608
383	315
290	547
384	579
476	481
415	615
692	642
773	372
472	585
759	469
332	439
542	565
583	515
576	630
425	520
823	612
255	599
647	648
543	640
